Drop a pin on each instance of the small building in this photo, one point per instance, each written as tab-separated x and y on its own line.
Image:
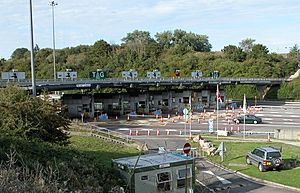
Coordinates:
158	172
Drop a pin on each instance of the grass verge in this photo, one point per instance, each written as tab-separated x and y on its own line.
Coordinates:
236	151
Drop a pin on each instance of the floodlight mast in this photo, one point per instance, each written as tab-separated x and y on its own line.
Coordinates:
53	4
32	53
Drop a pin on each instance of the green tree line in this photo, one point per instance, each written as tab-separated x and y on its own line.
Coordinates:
166	51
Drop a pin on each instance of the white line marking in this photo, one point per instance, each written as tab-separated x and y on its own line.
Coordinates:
123	129
146	129
294	116
269	119
222	180
288	119
288	123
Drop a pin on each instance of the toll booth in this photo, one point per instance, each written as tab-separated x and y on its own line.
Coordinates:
159	172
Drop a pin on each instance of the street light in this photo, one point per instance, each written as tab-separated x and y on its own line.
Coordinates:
32	52
53	4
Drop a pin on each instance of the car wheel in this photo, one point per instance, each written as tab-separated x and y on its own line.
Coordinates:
261	167
255	122
248	161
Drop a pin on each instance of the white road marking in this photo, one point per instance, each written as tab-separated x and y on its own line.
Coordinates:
294	116
278	115
146	129
222	180
123	129
260	115
268	119
288	119
288	123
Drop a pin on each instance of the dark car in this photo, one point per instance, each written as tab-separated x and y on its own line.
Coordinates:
248	119
265	158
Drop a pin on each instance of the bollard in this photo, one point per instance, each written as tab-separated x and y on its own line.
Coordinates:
198	120
128	118
161	119
157	132
130	132
136	132
148	132
169	116
180	132
269	137
168	132
116	117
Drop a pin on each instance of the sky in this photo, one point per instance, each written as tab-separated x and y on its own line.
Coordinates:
273	23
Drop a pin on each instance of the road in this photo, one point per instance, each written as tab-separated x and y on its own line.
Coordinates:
274	117
212	178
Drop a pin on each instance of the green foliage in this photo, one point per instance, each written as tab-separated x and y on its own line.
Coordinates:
234	53
235	160
238	91
167	51
30	118
290	90
83	166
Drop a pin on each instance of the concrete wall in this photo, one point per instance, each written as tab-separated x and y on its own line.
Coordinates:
287	134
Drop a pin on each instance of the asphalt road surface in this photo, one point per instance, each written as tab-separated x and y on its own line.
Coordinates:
273	116
211	178
169	133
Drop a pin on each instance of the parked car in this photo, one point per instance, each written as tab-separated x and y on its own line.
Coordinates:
248	119
265	158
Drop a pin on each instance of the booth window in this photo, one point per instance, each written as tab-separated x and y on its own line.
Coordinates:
181	177
164	181
144	177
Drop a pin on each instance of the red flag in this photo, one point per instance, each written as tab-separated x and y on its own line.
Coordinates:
218	94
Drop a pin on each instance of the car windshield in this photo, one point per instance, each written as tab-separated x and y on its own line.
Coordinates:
275	154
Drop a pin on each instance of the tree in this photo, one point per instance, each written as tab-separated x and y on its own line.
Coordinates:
165	39
258	51
30	118
20	53
247	44
234	53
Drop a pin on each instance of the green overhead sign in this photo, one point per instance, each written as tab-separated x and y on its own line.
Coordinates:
98	75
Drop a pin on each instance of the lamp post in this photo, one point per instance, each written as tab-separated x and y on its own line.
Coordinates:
32	53
53	4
